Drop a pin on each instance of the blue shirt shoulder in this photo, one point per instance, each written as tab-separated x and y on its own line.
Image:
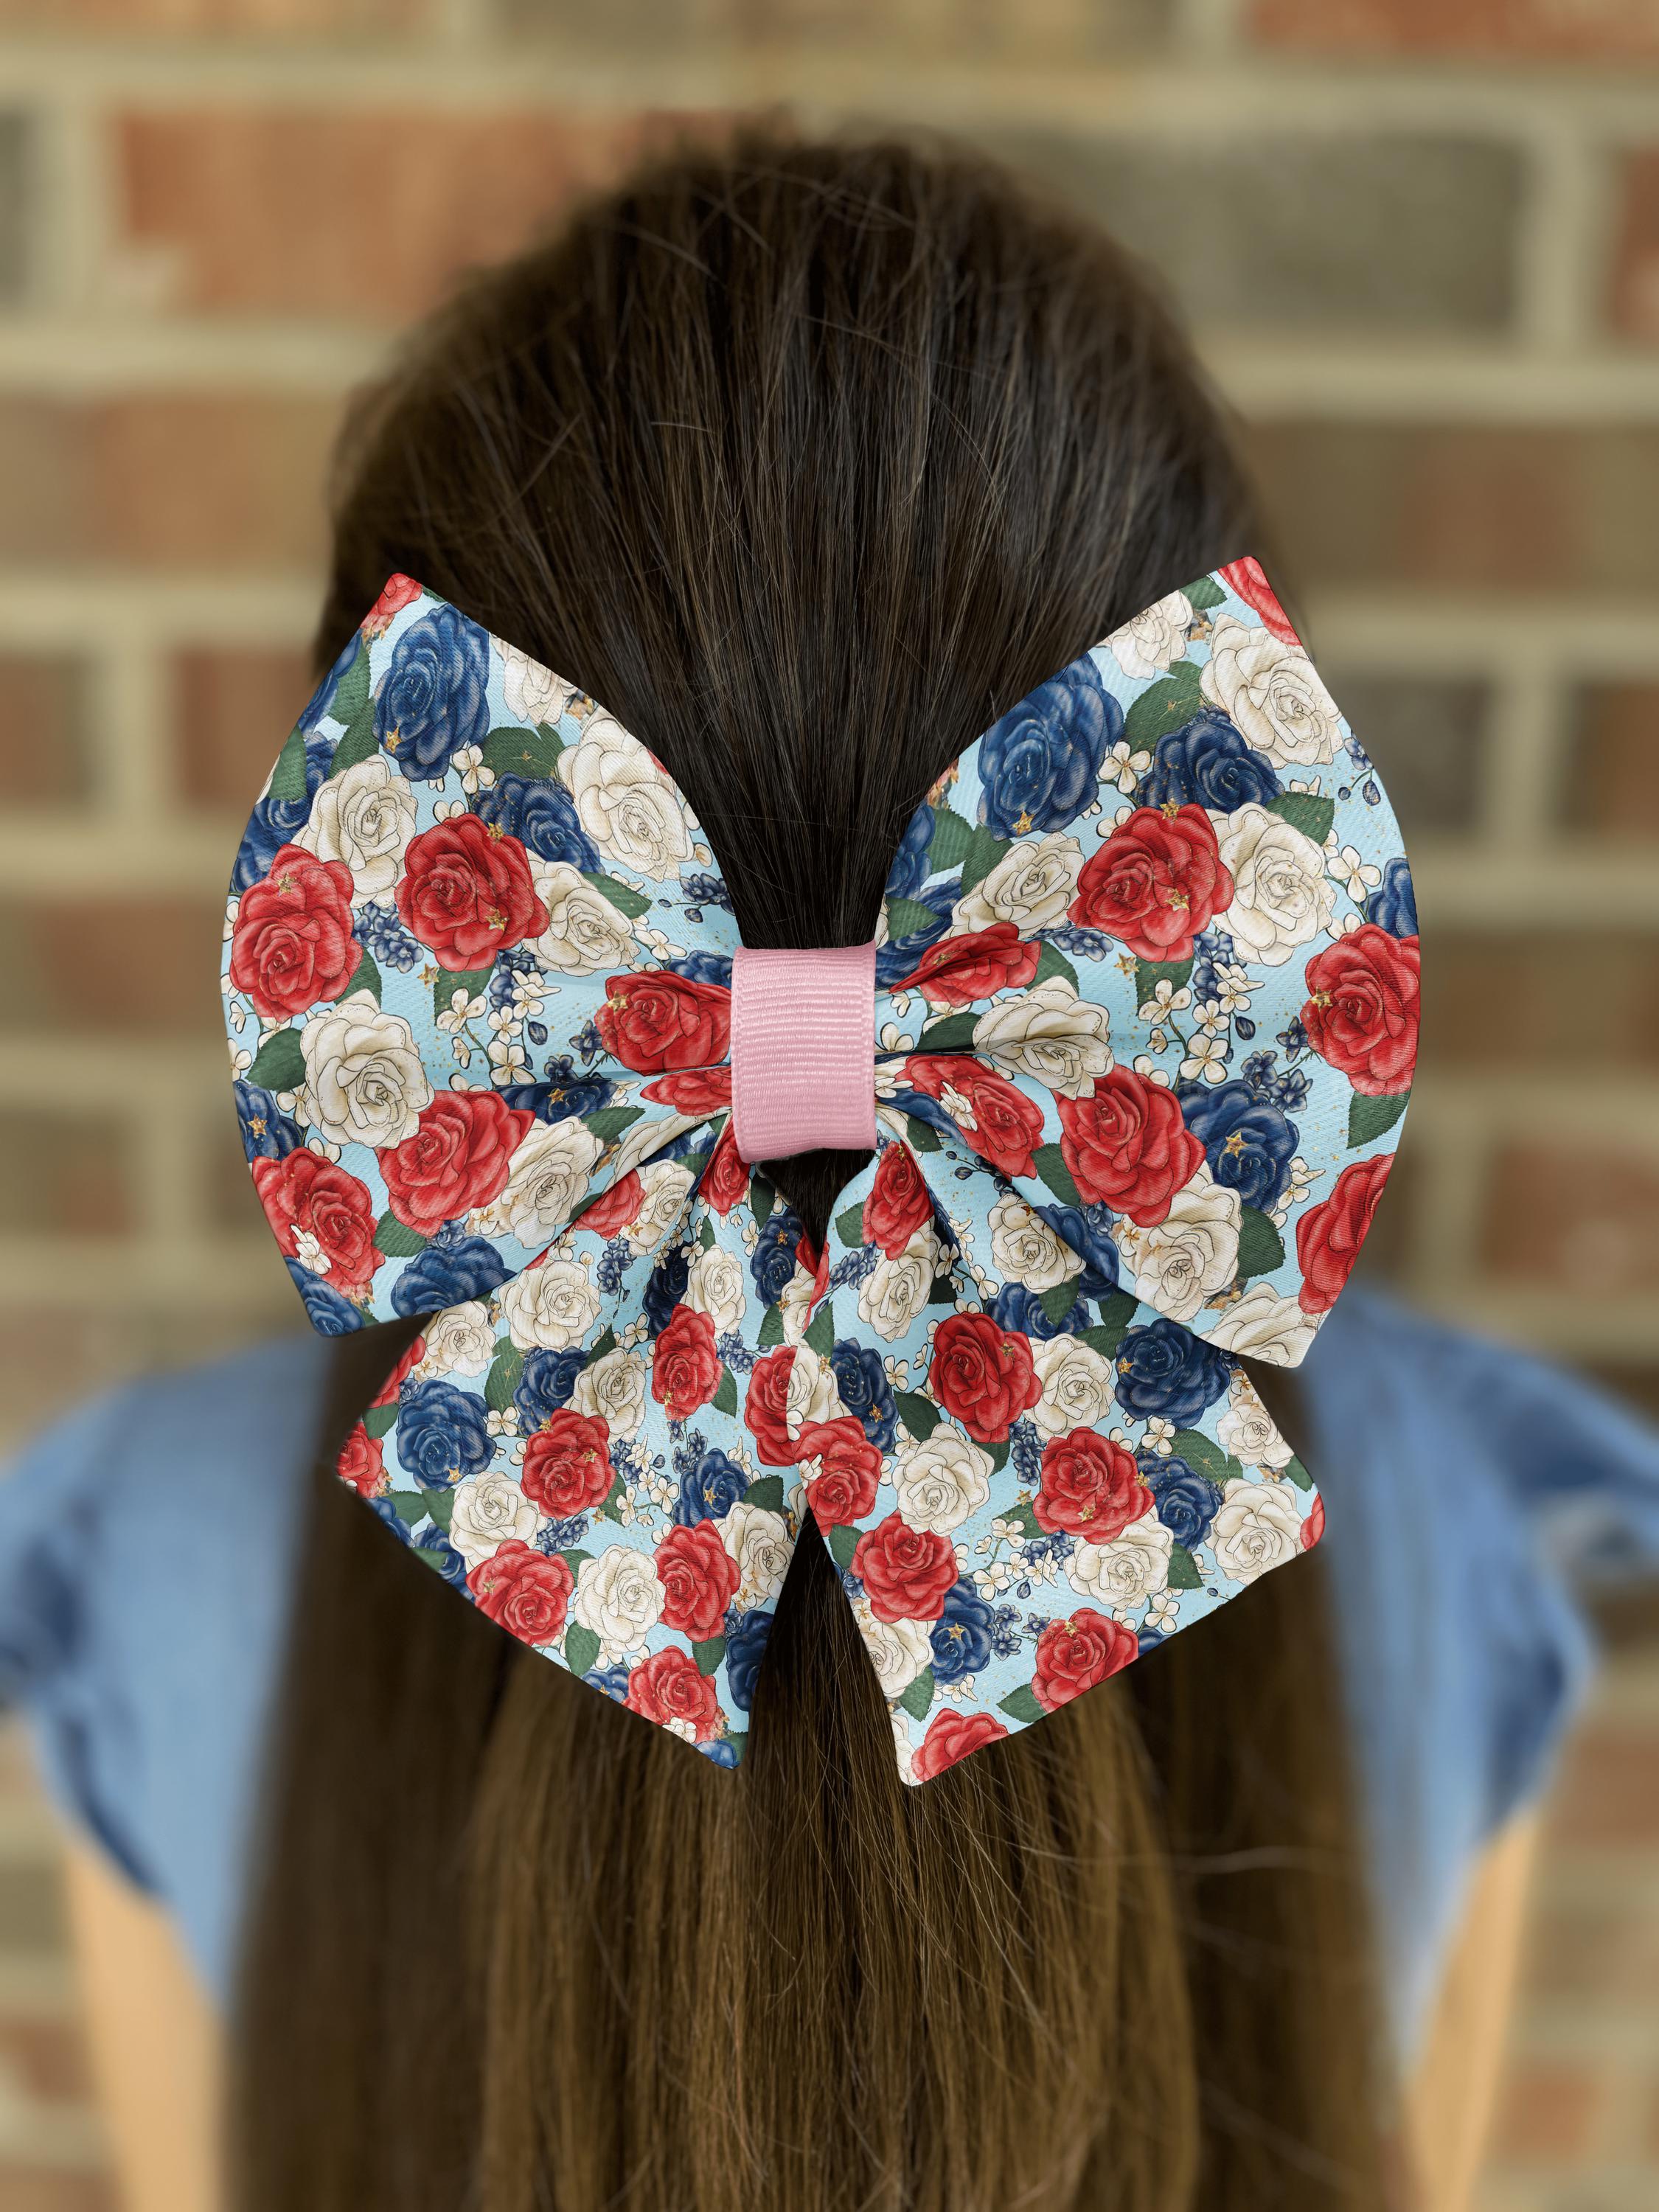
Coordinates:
147	1557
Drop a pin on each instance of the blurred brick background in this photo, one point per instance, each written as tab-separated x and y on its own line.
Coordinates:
1420	239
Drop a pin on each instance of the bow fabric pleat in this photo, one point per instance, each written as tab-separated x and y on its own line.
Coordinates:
1146	1019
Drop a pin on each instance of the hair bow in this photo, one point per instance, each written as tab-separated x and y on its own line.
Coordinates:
1131	1048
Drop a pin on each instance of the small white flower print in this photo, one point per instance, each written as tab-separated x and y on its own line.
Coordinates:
1356	876
1207	1058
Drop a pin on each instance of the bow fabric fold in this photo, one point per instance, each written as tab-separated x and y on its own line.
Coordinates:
1144	1022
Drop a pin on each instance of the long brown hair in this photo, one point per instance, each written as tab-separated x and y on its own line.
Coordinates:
808	460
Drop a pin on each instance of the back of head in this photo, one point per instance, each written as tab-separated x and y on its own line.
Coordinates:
807	461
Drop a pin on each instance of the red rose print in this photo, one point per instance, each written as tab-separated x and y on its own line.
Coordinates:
982	1375
1246	580
1155	883
305	1196
764	1407
898	1204
692	1090
1127	1146
951	1737
957	970
361	1464
1006	1123
1074	1654
1090	1487
816	1263
613	1209
388	1390
458	1157
400	591
528	1592
465	892
292	946
685	1368
667	1687
726	1178
699	1578
567	1464
907	1573
1314	1527
844	1489
1361	1015
1329	1235
656	1021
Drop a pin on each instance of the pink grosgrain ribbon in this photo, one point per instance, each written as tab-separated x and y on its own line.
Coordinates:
802	1051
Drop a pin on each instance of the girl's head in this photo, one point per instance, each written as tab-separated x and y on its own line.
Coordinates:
808	461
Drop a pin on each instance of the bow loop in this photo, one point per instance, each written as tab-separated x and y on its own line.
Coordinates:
478	955
1145	1018
1150	948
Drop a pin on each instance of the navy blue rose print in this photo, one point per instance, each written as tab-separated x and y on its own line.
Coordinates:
1166	1373
1248	1143
442	1433
710	1486
548	1379
1185	1501
745	1646
1206	763
274	821
910	869
961	1639
541	815
865	1392
434	698
267	1131
1393	905
447	1274
1039	766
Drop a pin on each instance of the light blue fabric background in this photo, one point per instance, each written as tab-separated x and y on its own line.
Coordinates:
147	1547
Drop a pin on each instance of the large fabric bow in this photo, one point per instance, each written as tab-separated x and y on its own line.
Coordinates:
1145	990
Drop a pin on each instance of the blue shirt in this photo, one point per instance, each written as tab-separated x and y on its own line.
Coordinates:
148	1550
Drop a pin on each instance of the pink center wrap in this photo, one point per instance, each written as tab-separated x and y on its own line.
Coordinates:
804	1051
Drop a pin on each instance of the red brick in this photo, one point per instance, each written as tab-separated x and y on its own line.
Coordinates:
1581	1951
133	965
228	481
1612	786
232	712
34	2189
1580	1217
61	1175
42	758
31	1907
1471	507
53	1357
1514	999
1548	2112
1608	1791
364	215
919	30
1591	30
226	1187
1639	1384
261	19
47	2057
1635	302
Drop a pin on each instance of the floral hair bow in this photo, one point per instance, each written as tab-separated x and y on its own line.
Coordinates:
1130	1050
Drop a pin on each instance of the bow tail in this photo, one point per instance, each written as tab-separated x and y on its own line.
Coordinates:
570	1451
1049	1494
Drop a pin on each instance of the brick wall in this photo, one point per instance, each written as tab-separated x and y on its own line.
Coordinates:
1420	239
